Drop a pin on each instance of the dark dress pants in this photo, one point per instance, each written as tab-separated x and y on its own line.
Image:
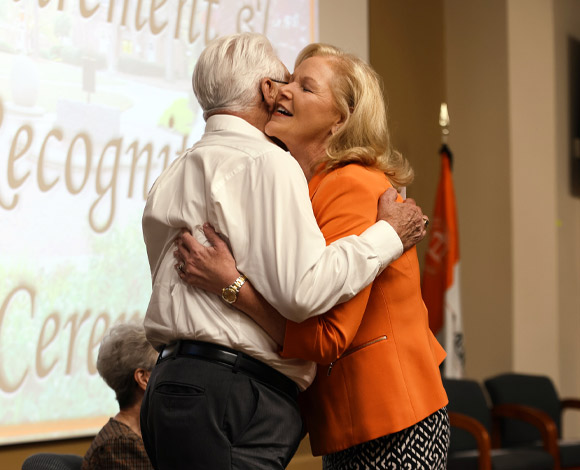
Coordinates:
201	415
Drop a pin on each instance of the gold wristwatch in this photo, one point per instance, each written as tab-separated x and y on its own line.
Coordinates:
230	293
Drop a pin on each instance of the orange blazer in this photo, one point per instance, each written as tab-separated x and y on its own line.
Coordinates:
378	362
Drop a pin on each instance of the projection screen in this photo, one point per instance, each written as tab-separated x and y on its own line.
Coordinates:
95	100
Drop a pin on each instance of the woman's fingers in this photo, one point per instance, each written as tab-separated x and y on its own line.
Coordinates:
179	258
189	242
209	266
213	237
184	253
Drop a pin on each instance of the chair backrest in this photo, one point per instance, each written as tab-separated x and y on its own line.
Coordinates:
48	461
531	390
466	397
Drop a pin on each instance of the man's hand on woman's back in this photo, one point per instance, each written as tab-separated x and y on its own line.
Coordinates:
405	217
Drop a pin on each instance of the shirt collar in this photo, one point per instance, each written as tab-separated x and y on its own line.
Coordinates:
227	122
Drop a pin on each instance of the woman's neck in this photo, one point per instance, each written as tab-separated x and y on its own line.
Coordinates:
130	417
308	157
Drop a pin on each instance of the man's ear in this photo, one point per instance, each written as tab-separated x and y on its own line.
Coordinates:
269	92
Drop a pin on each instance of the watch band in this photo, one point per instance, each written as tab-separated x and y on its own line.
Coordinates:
230	293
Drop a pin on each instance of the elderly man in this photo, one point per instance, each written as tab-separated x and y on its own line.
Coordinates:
220	396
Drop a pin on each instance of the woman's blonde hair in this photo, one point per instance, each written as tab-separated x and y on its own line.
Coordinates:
363	138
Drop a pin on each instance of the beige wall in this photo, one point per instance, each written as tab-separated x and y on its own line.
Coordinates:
344	23
532	87
567	24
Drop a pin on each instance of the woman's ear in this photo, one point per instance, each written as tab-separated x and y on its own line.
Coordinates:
337	125
141	376
269	93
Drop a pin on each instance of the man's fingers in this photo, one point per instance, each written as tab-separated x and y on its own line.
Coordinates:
390	195
410	201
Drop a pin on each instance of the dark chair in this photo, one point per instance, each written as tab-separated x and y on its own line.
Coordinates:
471	426
537	392
48	461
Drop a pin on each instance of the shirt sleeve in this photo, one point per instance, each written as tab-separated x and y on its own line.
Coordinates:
279	247
344	205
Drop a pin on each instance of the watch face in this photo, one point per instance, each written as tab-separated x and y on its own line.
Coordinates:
229	295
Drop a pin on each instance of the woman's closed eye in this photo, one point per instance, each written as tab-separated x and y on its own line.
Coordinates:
302	86
306	84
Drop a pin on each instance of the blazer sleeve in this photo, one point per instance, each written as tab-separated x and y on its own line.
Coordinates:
345	203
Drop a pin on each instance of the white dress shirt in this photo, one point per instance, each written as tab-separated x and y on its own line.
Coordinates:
256	196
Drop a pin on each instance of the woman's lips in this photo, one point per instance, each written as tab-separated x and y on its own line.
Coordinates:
283	111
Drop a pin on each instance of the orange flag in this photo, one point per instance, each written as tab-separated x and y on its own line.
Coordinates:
440	285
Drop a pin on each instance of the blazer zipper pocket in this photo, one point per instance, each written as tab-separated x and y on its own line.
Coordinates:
348	352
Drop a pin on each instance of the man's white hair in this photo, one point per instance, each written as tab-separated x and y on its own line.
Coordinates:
228	72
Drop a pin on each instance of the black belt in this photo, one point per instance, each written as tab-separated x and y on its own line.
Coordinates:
237	361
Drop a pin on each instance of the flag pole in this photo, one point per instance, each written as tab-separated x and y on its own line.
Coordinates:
440	283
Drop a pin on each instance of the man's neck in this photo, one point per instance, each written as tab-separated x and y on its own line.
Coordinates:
254	116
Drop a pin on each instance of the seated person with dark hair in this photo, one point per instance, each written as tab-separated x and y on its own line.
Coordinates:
124	362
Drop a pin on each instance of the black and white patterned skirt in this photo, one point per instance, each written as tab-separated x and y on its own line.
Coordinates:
422	446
